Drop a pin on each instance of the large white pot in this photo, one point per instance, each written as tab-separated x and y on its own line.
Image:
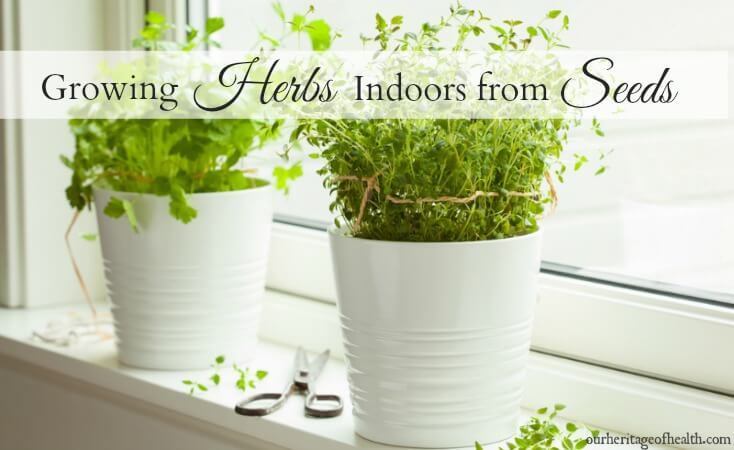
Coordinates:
436	336
184	293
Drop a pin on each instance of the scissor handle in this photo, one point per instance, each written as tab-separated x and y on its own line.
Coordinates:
323	405
246	407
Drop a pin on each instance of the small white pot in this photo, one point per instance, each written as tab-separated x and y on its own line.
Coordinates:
182	294
436	336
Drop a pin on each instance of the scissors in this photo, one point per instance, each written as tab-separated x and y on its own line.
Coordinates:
304	376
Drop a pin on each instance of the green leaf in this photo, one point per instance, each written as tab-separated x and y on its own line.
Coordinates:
241	384
570	427
260	374
154	17
191	34
501	31
495	47
213	24
297	23
278	8
179	206
67	162
600	170
478	446
215	378
532	32
220	359
554	13
187	382
284	175
567	444
251	383
130	213
581	444
274	42
396	20
559	407
320	34
117	207
91	237
544	34
202	387
565	22
381	24
542	411
114	208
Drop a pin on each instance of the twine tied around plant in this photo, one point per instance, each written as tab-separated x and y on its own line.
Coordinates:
73	328
75	265
372	185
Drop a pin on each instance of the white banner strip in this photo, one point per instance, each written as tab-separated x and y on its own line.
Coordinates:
364	85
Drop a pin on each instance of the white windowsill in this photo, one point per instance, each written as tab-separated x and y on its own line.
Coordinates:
96	364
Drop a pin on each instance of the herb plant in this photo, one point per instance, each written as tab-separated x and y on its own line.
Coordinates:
243	378
445	180
542	432
177	157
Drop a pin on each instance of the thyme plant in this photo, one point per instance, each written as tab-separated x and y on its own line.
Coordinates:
542	432
444	180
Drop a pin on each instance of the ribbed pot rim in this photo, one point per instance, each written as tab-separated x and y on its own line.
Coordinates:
341	233
249	191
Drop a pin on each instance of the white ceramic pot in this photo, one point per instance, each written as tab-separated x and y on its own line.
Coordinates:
183	294
436	336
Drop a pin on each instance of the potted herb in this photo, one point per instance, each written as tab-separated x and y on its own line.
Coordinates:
437	250
184	228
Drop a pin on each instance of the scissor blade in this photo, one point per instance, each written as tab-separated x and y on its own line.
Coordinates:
317	365
300	363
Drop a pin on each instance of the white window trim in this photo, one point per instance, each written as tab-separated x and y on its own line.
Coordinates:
124	19
11	221
625	329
